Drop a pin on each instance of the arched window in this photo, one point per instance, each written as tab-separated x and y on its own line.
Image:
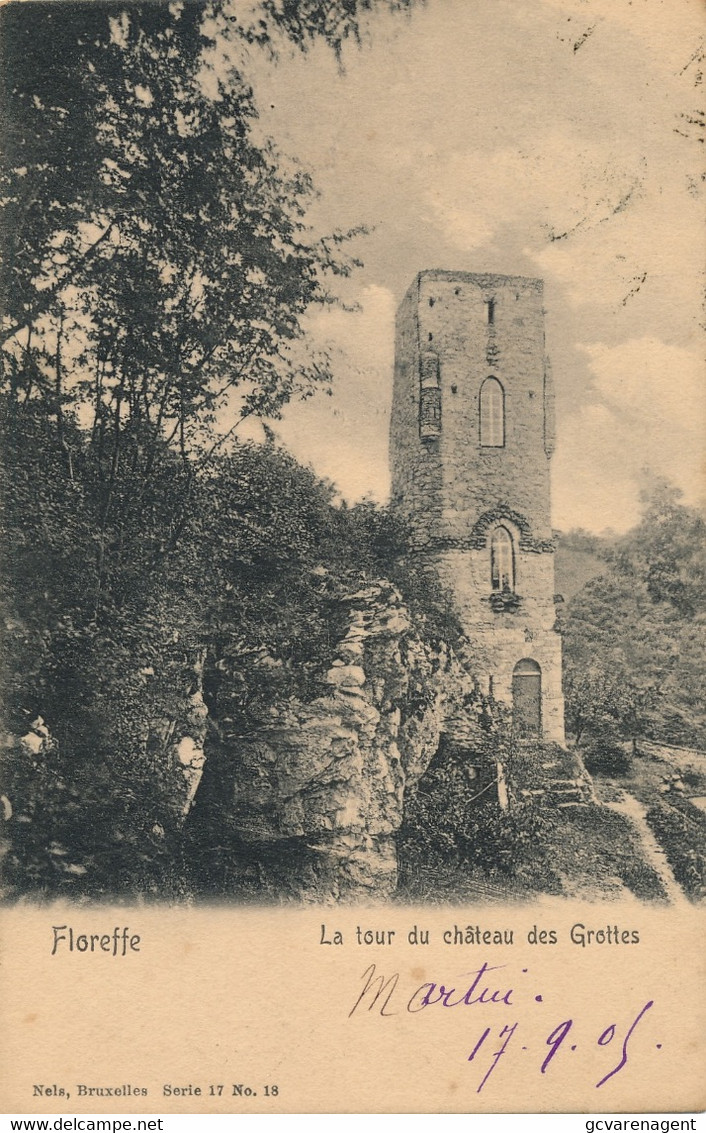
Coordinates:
502	560
492	414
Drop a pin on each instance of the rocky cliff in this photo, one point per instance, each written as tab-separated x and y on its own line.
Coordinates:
307	802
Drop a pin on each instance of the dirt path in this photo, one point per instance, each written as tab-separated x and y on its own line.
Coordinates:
633	809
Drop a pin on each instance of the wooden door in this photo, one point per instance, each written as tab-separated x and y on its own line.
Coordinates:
527	699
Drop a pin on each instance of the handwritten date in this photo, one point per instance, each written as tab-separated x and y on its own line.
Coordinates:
479	988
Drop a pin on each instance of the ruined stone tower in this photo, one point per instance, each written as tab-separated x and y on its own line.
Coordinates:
472	434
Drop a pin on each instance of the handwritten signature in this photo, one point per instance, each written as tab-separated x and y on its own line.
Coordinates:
384	996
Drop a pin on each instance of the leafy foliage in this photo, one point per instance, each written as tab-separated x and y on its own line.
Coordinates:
453	822
157	266
253	585
308	20
602	757
157	262
634	637
680	830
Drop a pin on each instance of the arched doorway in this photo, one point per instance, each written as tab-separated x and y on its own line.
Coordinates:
527	699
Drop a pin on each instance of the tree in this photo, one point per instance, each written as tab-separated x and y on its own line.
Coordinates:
307	21
135	196
665	550
602	698
634	636
158	263
171	267
157	267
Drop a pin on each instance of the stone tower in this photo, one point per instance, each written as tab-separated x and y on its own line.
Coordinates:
472	434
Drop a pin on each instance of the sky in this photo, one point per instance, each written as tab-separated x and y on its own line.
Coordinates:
547	138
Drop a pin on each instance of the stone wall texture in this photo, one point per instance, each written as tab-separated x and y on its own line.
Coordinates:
455	330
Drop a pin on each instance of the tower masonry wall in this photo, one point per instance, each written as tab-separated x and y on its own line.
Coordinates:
444	483
502	639
417	491
454	331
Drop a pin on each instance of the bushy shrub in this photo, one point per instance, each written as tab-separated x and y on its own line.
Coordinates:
605	756
695	778
681	831
454	822
104	609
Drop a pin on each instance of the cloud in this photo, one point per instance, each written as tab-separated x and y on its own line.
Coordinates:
479	137
549	193
590	487
648	412
345	436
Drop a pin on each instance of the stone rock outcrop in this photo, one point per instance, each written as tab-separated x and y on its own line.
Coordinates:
178	741
314	794
188	751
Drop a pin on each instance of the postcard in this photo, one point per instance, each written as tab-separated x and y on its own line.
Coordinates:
354	745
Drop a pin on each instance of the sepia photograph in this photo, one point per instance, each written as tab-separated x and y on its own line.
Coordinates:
352	451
